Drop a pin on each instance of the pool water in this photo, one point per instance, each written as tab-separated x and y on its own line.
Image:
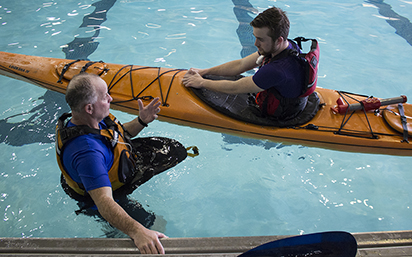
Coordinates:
236	186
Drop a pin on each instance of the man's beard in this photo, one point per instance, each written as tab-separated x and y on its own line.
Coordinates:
273	50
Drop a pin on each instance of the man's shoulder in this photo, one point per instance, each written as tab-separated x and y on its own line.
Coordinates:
87	143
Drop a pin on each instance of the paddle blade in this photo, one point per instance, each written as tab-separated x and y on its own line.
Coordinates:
325	244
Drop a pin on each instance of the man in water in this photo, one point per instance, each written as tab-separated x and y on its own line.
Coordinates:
280	78
91	167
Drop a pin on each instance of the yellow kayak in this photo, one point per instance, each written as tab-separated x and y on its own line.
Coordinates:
341	123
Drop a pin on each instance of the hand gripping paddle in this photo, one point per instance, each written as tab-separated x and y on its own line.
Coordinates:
336	244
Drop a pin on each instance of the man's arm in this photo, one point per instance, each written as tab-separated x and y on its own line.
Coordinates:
232	68
240	86
147	241
147	114
194	77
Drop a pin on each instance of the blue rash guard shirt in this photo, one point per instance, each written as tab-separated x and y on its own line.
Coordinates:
286	75
88	159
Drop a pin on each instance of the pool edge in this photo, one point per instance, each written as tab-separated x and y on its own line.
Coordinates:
385	243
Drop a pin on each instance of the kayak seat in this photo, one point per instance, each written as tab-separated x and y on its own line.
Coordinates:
238	107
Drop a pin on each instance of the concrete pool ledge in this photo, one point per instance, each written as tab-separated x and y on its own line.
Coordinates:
389	243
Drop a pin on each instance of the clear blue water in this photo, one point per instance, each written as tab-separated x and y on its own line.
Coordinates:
237	186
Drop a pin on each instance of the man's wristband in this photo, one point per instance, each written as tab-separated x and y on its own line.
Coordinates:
141	122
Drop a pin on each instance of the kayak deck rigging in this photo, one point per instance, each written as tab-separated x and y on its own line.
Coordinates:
384	131
341	130
115	80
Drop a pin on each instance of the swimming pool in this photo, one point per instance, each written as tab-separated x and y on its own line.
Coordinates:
237	186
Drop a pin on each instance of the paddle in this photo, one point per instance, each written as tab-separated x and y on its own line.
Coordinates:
336	244
368	104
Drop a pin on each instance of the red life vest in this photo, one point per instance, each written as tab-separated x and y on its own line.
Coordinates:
272	103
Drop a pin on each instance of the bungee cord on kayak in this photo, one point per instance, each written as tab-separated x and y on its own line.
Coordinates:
163	99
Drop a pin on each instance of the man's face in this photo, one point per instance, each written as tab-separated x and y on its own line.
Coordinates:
101	108
264	43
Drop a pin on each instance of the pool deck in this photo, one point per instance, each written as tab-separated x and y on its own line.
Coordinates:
389	243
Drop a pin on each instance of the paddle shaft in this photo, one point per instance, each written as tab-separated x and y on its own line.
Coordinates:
377	103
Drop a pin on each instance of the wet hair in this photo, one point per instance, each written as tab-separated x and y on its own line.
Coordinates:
81	91
276	20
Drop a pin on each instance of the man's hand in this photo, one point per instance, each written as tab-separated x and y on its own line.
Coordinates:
149	112
192	79
147	241
243	85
